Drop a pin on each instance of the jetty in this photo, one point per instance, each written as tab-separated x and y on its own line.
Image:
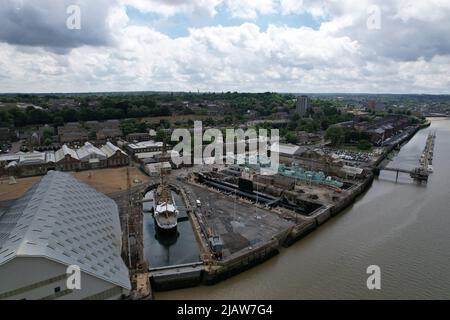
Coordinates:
423	171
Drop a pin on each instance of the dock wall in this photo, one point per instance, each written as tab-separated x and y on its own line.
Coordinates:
241	261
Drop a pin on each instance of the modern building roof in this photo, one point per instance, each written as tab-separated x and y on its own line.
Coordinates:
66	221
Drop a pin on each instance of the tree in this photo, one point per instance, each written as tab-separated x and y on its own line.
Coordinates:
161	136
325	124
291	137
47	134
19	116
364	145
58	121
335	134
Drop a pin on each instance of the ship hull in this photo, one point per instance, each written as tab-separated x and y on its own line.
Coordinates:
166	230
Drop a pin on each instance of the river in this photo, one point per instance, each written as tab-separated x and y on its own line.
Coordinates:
403	227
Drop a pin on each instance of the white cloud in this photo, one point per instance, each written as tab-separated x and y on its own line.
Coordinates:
250	9
169	8
411	52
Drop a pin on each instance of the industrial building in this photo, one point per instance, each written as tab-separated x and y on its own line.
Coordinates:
61	222
65	159
144	146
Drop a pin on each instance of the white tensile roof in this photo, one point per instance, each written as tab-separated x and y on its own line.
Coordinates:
32	158
109	149
65	150
65	220
88	151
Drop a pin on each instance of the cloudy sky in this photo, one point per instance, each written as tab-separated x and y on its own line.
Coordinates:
395	46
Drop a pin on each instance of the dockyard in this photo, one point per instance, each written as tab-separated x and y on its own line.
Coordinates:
232	217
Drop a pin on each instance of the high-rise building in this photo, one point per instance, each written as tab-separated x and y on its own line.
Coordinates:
302	105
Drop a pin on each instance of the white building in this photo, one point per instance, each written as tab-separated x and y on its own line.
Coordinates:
61	222
287	150
144	146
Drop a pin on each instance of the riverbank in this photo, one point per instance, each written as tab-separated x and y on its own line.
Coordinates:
401	227
214	272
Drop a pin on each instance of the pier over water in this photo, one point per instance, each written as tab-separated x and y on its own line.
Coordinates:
422	172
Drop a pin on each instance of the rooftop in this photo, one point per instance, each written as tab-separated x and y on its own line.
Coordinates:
145	144
65	220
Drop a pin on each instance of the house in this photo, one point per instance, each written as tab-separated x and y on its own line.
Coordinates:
138	137
108	133
72	133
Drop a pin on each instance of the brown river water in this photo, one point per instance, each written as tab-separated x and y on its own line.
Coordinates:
403	227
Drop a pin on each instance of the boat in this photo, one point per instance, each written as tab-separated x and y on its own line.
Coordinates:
166	212
166	216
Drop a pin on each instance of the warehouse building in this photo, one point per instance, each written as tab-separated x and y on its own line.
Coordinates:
144	146
116	157
65	159
61	222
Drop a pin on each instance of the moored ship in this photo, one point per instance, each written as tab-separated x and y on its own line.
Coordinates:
166	212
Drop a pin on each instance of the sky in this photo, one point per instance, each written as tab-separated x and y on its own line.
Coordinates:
312	46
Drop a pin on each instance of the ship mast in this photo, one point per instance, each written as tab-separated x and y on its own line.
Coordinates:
164	189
